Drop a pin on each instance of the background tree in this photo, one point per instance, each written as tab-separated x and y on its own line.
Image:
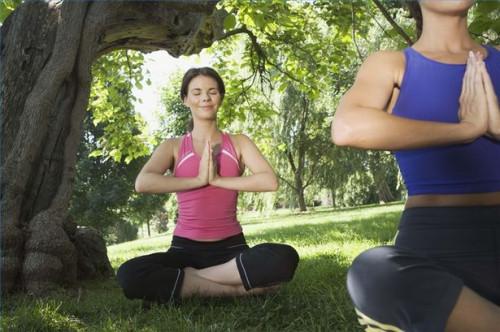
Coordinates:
301	140
47	52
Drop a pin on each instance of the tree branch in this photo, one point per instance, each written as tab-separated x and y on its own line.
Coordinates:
396	27
312	175
290	160
261	54
287	182
353	16
233	32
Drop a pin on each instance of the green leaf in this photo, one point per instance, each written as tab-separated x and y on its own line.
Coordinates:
95	153
260	21
486	7
116	154
229	22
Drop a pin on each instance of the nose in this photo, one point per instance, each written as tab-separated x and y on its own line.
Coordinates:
206	97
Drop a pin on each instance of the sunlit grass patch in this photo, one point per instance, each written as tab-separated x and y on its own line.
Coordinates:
315	300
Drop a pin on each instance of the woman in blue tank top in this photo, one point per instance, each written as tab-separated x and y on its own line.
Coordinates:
435	105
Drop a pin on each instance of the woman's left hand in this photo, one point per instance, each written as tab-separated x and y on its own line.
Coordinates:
492	103
212	167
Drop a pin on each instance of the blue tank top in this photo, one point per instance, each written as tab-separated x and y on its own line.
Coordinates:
430	91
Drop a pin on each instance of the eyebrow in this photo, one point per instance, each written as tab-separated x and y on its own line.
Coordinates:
199	89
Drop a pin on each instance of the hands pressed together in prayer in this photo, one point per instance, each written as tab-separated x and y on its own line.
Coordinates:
207	172
478	100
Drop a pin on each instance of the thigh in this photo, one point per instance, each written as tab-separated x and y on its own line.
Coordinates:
471	255
207	258
463	240
397	287
170	259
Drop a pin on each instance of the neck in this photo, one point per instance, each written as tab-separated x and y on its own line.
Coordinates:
205	130
445	33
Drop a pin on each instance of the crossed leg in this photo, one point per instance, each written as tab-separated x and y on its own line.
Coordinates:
217	280
163	277
473	313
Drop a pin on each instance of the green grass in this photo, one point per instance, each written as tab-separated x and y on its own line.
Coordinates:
315	300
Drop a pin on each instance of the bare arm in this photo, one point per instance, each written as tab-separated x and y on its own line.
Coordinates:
361	121
152	178
262	177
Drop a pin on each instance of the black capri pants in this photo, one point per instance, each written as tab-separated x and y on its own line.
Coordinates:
414	285
158	277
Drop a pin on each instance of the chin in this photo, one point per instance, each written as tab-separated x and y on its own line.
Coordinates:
208	116
446	6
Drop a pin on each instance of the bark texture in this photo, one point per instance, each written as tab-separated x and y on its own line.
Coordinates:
46	53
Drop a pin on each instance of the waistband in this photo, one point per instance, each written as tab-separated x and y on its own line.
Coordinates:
232	241
461	216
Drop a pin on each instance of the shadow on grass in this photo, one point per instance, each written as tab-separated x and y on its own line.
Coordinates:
315	300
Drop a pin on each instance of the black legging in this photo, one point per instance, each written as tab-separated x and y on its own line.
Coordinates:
158	277
414	285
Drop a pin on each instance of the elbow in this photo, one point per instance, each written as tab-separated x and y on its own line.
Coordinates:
342	134
270	183
274	185
339	139
495	133
139	185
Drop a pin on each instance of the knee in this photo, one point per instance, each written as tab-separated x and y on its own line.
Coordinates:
126	280
282	259
372	277
286	259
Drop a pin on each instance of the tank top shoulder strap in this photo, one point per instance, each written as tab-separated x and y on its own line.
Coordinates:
411	59
493	52
410	56
227	144
186	145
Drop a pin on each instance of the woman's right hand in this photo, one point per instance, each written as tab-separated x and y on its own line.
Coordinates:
204	168
473	110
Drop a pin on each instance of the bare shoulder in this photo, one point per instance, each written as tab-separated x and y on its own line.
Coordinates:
497	47
168	149
386	57
169	144
240	142
240	138
383	64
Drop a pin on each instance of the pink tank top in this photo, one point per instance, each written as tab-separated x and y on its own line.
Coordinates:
208	212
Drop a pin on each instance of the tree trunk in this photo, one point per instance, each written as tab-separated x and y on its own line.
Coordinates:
299	185
47	49
384	192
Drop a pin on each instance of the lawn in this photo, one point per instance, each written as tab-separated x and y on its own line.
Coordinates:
315	300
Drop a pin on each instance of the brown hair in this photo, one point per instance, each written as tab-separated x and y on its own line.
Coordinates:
416	13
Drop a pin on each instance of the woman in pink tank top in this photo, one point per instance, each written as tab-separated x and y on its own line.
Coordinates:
208	255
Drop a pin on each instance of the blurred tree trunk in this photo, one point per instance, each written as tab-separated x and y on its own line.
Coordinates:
47	49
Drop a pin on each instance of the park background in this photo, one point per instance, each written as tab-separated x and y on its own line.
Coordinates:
285	65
